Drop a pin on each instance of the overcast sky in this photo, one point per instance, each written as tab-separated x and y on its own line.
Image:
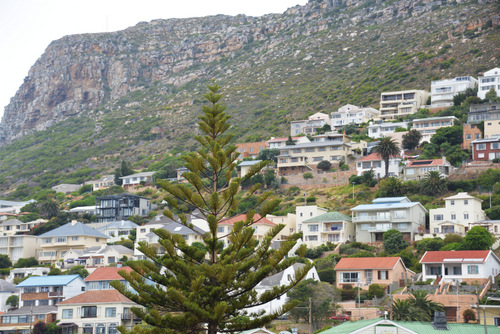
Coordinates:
28	26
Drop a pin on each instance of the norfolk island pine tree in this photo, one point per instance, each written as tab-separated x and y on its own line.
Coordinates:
193	288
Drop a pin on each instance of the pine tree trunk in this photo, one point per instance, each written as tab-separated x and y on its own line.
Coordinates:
212	328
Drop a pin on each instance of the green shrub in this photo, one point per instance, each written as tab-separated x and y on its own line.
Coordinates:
376	290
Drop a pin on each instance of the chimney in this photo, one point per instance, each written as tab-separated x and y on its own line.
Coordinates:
123	222
440	321
73	222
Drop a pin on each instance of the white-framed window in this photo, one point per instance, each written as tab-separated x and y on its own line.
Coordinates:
473	269
480	147
313	238
74	238
220	229
110	312
350	277
452	202
67	313
466	216
438	217
453	216
400	214
313	228
466	202
383	274
93	285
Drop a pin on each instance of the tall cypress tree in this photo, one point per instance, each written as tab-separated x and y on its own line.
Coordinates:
195	287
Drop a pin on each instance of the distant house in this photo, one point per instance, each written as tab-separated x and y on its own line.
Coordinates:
66	188
18	246
100	278
304	212
117	230
97	311
23	319
375	162
97	256
280	142
25	272
117	207
102	183
49	290
428	126
416	170
247	165
261	226
13	207
136	179
290	222
352	114
471	133
394	105
6	290
471	266
332	227
490	80
369	270
309	126
387	213
486	149
75	235
250	150
443	91
379	129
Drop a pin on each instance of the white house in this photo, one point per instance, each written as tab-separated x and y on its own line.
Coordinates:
377	130
13	207
246	166
6	290
352	114
281	142
309	125
375	162
136	179
428	126
49	290
117	230
97	256
491	79
471	266
304	212
456	217
443	91
24	272
282	278
387	213
332	226
394	105
18	246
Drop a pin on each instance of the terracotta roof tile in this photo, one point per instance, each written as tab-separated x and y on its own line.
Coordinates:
366	263
106	274
458	256
97	296
242	217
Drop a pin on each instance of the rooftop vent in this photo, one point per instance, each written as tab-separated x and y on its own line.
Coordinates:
440	321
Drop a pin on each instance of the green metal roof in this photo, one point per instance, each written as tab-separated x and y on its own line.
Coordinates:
332	216
415	326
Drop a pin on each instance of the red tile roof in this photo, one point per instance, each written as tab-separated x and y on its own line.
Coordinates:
431	162
455	256
367	263
106	274
243	217
97	296
375	157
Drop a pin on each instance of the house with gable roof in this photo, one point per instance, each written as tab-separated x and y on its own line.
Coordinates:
368	270
49	290
375	162
96	311
75	235
471	266
416	170
118	229
23	319
332	226
97	256
100	278
261	226
387	213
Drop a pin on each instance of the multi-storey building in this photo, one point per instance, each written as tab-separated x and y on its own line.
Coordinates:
352	114
417	169
281	142
491	79
304	212
250	150
309	126
49	290
375	162
471	133
103	183
117	207
290	222
75	235
394	105
492	128
483	112
378	129
387	213
428	126
134	180
117	230
486	149
328	227
443	91
18	246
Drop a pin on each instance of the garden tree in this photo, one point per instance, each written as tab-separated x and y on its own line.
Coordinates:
489	178
5	261
48	208
416	308
420	300
324	266
324	165
54	271
307	176
323	296
348	129
124	170
452	237
26	262
391	187
429	244
403	310
386	148
194	288
411	139
12	301
289	141
433	184
477	238
491	96
270	179
376	290
394	242
77	270
323	129
469	315
269	154
493	213
39	327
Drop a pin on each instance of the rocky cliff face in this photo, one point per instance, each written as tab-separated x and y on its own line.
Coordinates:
85	73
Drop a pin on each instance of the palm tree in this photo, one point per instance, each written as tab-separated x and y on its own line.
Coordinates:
427	307
386	148
403	310
433	184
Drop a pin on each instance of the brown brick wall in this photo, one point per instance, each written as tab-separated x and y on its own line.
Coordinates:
35	296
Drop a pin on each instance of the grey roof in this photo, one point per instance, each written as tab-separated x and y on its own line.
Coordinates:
332	216
386	203
275	279
26	310
434	118
178	228
121	224
11	222
161	219
95	250
138	175
73	230
249	163
7	287
315	144
12	203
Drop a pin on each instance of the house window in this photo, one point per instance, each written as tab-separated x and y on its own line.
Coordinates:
473	269
468	137
112	329
313	228
466	216
400	214
43	302
67	314
143	230
466	202
453	216
88	329
44	289
457	270
383	274
89	311
75	238
438	217
110	312
349	277
220	229
481	147
313	238
29	290
100	329
105	286
452	202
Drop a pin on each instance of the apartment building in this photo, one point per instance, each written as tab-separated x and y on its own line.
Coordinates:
117	207
281	142
352	114
483	112
309	126
379	129
394	105
456	217
443	91
250	150
399	213
49	290
428	126
418	169
332	227
18	246
491	79
486	149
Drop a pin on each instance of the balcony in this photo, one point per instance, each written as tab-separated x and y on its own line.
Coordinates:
372	219
379	228
54	294
129	316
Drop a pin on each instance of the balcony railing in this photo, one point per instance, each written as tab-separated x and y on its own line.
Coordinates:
55	294
371	219
379	228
